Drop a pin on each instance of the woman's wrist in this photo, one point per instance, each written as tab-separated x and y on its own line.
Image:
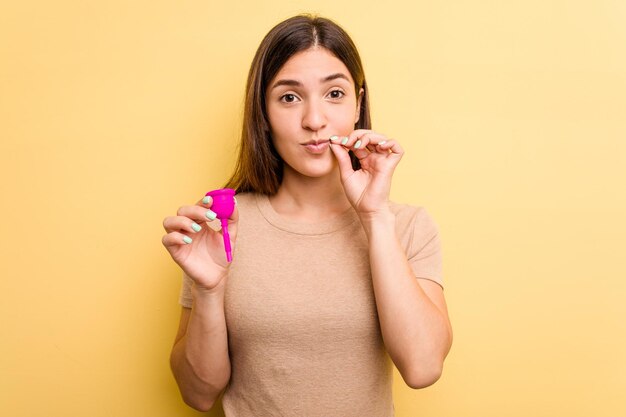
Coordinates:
383	220
203	294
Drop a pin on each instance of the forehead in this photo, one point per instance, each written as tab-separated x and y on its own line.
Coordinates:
315	63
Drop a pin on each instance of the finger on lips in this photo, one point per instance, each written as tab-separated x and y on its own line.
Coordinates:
394	147
369	137
385	145
360	140
363	141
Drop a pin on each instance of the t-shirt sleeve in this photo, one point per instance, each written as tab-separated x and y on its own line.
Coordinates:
185	298
420	235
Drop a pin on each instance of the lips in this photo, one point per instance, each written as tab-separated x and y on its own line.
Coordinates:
316	146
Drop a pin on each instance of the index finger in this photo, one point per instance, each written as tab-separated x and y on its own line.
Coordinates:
206	201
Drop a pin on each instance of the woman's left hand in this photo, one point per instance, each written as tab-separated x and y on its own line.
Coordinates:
368	188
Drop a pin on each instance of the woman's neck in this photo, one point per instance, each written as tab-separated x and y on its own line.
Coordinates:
309	199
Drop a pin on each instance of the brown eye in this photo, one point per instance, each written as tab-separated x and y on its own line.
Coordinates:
336	94
288	98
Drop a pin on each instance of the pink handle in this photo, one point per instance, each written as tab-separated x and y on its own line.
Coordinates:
223	206
226	236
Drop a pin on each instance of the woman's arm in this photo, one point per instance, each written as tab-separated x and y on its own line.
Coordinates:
412	313
199	358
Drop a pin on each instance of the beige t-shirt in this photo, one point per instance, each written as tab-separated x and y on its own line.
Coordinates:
303	331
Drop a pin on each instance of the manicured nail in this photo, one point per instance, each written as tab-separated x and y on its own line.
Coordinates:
382	142
357	145
344	140
333	138
196	227
187	240
235	200
210	214
205	200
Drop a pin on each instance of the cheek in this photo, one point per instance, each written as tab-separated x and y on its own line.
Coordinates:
282	122
281	131
344	118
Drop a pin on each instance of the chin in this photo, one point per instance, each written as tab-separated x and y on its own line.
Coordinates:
318	169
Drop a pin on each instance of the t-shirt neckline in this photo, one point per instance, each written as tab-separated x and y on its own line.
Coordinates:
319	228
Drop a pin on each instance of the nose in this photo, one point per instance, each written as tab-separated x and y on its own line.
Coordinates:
314	117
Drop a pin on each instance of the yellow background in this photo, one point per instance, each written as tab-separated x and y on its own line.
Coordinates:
513	117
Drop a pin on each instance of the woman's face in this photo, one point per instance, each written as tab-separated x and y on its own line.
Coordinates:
311	99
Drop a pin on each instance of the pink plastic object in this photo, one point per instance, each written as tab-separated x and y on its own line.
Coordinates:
223	206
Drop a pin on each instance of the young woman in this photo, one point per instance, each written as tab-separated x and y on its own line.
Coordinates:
330	282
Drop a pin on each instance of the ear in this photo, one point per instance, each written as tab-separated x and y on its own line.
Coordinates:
358	106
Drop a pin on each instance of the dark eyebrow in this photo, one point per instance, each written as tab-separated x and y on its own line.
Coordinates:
294	83
334	77
291	83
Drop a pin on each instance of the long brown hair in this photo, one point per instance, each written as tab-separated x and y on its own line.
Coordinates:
259	168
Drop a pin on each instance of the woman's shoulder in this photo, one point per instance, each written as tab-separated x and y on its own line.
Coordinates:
410	217
248	200
246	197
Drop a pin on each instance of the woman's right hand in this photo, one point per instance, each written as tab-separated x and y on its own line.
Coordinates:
200	251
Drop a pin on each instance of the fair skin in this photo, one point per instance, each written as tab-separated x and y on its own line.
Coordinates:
312	99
